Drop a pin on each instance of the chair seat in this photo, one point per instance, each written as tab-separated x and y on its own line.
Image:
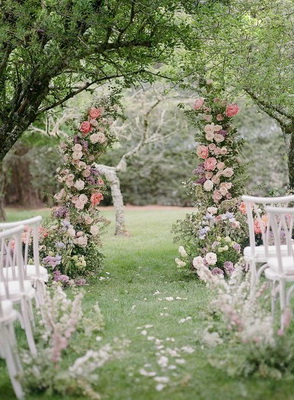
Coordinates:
31	273
7	308
273	270
259	252
14	290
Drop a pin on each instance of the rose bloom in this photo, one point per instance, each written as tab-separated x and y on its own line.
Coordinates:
211	258
100	182
96	198
81	241
76	155
260	224
219	117
79	184
180	263
94	230
212	210
208	175
81	164
198	261
207	118
208	185
217	196
242	208
209	136
83	198
228	196
69	182
218	138
231	110
228	172
218	151
212	146
71	232
79	205
77	147
88	220
209	128
86	172
198	103
224	150
227	185
202	152
95	112
215	179
98	138
94	122
220	166
74	199
223	191
85	127
210	163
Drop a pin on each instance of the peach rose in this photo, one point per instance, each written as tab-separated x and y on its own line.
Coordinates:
218	138
220	166
208	175
215	179
219	117
217	196
85	127
212	146
77	147
228	172
242	208
210	164
207	118
209	136
202	152
95	112
94	230
198	103
96	198
231	110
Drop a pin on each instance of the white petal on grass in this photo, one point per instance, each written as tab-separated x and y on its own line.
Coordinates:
144	332
180	361
161	379
162	361
188	349
169	298
148	326
143	372
159	387
155	293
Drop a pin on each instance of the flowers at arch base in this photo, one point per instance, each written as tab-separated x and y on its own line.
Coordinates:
72	247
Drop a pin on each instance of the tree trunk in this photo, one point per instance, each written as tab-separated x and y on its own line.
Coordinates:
2	192
117	198
291	161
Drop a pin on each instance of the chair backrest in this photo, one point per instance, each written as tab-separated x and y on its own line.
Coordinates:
11	260
30	239
281	224
258	221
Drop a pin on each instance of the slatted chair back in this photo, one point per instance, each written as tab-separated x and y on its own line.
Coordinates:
11	259
282	224
258	220
30	240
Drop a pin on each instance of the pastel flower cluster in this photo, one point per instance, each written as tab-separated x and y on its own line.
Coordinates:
71	248
214	235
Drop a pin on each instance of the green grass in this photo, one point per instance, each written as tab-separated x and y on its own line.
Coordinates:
138	267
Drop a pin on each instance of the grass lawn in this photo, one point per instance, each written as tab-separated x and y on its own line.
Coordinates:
140	288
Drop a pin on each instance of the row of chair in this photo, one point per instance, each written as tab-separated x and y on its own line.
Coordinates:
22	280
272	220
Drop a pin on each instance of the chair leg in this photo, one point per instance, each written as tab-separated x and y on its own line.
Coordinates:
12	361
25	311
282	290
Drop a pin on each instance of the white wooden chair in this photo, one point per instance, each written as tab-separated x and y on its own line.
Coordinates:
258	219
8	347
281	265
34	272
18	291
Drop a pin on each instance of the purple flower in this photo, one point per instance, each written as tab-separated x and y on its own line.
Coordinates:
58	277
80	282
217	271
237	247
229	267
60	245
209	217
52	261
201	180
76	139
60	212
203	231
223	132
66	223
199	170
91	180
94	171
85	144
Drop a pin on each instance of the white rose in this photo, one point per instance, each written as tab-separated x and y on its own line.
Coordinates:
198	261
71	232
208	185
86	173
211	258
83	198
209	136
183	252
228	172
77	147
79	184
218	138
94	230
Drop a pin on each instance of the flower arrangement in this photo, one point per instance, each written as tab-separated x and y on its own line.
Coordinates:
62	323
216	231
71	245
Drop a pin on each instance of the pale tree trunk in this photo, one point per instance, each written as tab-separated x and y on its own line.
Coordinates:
113	179
2	192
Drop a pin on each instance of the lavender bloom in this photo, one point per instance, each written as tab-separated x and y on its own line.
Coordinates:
201	180
60	245
215	244
237	247
223	132
66	223
199	170
203	232
85	144
217	271
91	180
58	277
80	282
228	215
76	139
209	217
60	212
229	267
94	171
52	261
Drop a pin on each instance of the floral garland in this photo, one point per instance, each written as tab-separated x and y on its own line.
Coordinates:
71	244
214	234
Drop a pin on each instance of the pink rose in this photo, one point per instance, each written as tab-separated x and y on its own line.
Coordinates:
212	147
96	198
202	152
223	190
231	110
224	150
228	172
217	196
219	117
207	118
218	151
79	204
215	179
208	175
85	127
218	138
198	103
209	136
95	112
210	164
220	166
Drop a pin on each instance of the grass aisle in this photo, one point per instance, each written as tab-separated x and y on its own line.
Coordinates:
143	297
